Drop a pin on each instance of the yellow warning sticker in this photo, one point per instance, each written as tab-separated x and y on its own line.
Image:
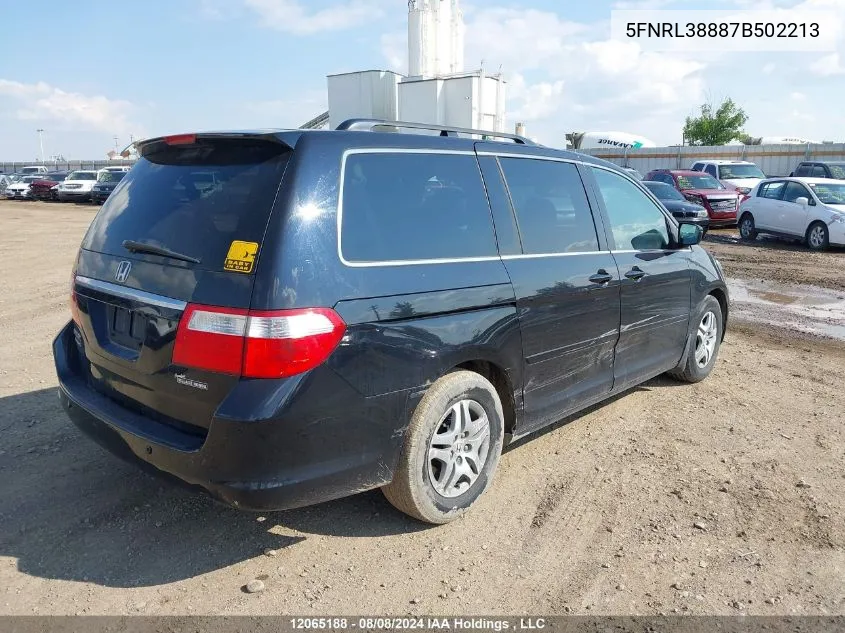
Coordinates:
241	256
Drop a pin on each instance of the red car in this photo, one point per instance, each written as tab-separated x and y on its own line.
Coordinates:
43	189
721	203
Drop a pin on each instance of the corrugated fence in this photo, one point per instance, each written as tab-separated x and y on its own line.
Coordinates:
11	168
774	160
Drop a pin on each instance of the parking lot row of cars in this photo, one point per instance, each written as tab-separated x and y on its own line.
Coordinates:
81	185
808	205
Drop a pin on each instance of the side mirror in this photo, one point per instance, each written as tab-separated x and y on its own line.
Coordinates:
803	201
689	234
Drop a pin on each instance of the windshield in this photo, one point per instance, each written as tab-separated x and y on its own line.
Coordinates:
82	175
198	200
729	172
28	179
837	170
698	181
664	191
829	193
111	176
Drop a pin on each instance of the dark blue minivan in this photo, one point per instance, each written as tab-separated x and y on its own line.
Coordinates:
281	318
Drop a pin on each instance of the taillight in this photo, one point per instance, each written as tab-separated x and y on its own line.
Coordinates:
256	344
74	302
181	139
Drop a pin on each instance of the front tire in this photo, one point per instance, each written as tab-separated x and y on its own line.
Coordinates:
817	237
747	230
703	343
451	451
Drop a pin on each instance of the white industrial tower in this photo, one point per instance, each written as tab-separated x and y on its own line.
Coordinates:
435	38
437	90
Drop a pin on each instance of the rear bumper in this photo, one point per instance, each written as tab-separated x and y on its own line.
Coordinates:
324	441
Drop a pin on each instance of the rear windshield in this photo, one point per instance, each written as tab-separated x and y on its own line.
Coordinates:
195	200
729	172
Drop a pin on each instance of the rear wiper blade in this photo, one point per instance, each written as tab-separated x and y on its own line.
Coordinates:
152	249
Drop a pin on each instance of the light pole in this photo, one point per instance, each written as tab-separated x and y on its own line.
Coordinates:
41	141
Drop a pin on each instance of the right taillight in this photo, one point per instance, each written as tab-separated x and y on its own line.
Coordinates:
256	344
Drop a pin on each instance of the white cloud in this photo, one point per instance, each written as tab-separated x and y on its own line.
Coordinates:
828	66
292	16
798	96
537	101
43	102
287	113
769	68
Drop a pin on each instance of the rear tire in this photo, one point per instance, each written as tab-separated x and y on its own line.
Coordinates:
747	229
817	236
703	343
451	451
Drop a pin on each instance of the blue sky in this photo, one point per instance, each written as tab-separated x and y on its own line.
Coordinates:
100	69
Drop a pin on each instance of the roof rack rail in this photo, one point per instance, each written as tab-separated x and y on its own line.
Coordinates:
370	125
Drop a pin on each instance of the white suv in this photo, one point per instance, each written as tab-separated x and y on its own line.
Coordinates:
742	174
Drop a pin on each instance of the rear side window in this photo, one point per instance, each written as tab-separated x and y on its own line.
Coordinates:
636	222
819	172
804	170
551	206
771	190
193	199
711	169
409	206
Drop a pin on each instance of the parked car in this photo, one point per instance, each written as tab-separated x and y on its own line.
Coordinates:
679	206
47	187
820	169
286	337
810	209
702	189
19	190
740	174
106	182
77	186
633	172
5	181
33	170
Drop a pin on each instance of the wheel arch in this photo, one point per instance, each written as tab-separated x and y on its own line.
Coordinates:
501	380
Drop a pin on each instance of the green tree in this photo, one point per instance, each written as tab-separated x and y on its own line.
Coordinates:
715	127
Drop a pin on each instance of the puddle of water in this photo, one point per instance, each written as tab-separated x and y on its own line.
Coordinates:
807	309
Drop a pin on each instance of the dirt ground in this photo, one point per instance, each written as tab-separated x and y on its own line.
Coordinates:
719	498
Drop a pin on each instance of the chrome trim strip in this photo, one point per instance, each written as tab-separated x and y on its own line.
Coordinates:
131	293
544	255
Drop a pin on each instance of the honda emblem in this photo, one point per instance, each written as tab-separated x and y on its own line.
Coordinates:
123	269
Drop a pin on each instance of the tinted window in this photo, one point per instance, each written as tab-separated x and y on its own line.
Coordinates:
711	169
664	191
193	199
804	170
634	219
551	206
795	190
819	172
772	190
407	206
697	167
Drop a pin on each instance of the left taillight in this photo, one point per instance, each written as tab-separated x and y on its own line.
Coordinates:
256	344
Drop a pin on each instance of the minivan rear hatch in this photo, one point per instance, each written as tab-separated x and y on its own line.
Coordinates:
185	226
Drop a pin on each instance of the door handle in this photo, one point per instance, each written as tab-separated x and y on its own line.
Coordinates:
601	277
635	273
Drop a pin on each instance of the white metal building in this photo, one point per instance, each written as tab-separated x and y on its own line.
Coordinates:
437	89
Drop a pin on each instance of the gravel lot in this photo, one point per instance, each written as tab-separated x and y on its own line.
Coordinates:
719	498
